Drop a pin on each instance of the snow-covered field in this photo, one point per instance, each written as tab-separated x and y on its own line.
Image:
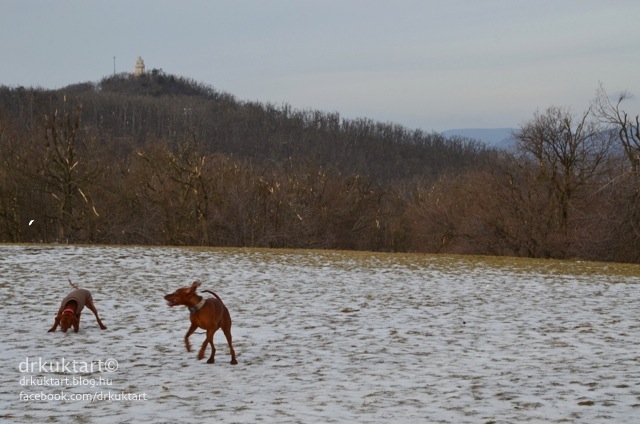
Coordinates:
320	337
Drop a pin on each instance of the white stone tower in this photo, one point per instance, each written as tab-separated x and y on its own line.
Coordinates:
139	70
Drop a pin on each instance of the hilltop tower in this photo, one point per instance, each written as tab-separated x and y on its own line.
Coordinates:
139	70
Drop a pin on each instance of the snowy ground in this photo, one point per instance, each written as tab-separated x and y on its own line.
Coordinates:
320	337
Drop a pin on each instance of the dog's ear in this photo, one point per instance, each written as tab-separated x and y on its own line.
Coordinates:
194	286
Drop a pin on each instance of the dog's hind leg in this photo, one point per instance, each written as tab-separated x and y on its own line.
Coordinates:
211	359
227	334
93	309
208	340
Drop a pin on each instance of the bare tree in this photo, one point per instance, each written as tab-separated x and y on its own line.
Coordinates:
12	165
187	166
628	128
625	188
568	152
67	175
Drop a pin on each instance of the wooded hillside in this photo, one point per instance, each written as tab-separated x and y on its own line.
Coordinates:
161	159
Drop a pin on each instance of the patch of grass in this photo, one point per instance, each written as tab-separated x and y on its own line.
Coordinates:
458	263
441	262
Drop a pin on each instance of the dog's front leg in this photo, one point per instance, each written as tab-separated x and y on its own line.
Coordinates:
56	322
186	337
76	323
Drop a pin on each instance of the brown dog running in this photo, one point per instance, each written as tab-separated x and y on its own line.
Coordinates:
208	314
71	309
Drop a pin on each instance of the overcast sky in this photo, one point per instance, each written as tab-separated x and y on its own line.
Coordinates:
433	65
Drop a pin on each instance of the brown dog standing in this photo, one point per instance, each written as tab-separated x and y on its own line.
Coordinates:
71	309
208	314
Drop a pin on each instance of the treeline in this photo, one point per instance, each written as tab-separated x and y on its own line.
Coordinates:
161	159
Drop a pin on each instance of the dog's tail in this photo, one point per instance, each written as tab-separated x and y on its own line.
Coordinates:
218	297
72	285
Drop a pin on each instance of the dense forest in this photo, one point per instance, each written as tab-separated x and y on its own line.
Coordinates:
159	159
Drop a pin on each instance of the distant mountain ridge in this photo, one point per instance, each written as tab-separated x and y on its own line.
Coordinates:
496	137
